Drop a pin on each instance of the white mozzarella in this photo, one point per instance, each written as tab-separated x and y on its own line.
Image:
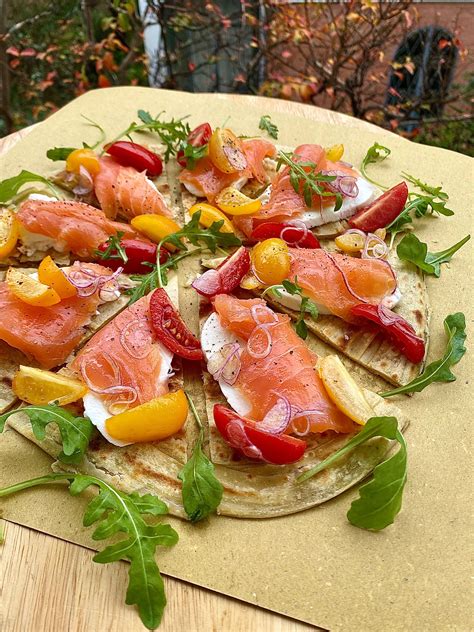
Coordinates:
32	243
213	337
96	410
393	299
41	197
293	301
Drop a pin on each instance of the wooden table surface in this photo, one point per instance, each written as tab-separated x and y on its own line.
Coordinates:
49	585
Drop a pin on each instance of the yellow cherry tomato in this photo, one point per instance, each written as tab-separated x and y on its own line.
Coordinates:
350	243
29	290
8	232
40	387
157	419
50	274
226	151
211	214
250	282
335	153
83	157
234	202
271	261
156	227
343	390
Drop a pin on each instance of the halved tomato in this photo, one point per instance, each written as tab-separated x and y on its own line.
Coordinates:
226	151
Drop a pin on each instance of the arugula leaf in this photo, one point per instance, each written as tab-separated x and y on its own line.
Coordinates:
376	153
102	136
440	370
201	489
119	512
381	498
192	154
421	205
114	249
307	182
267	125
426	188
59	153
306	306
415	251
75	431
10	187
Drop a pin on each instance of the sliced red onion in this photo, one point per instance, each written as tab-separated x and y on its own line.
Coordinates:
306	414
87	282
298	224
377	250
386	315
344	278
267	346
115	369
264	310
236	434
136	338
209	283
85	184
348	186
120	406
225	363
277	418
252	452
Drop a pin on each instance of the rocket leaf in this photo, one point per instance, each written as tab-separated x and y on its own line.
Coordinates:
75	432
412	249
118	512
10	187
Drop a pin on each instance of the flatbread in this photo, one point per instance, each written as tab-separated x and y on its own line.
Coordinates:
10	358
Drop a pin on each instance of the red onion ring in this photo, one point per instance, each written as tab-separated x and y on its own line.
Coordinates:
298	224
92	282
126	339
348	186
277	419
386	315
116	376
298	413
225	364
344	278
251	342
368	246
238	439
254	313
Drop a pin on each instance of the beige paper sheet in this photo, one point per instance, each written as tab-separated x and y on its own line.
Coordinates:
313	566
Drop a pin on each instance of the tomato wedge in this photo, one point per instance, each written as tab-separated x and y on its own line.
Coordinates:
227	277
293	235
171	330
383	211
134	155
400	332
139	253
198	137
244	435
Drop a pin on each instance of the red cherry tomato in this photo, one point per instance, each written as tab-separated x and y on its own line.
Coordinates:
139	252
285	230
400	332
383	211
227	277
133	155
244	435
170	328
199	136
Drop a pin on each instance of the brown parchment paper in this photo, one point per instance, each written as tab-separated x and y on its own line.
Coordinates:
313	566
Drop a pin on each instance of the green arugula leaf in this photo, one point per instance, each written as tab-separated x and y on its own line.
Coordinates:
193	154
307	182
415	251
307	306
114	249
123	513
426	188
267	125
440	370
102	133
10	187
75	431
376	153
201	489
59	153
381	498
421	205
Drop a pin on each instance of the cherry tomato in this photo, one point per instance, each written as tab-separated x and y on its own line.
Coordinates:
383	211
244	435
285	230
226	151
227	277
198	137
133	155
138	252
85	158
170	328
271	261
401	333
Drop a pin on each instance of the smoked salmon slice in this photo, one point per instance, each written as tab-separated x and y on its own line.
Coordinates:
127	192
287	371
205	180
74	226
123	361
47	334
339	282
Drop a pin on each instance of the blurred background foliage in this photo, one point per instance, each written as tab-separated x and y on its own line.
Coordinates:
337	55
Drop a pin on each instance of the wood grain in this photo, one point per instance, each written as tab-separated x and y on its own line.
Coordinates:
49	585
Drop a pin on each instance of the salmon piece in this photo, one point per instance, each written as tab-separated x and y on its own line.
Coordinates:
340	282
126	191
205	180
47	334
124	353
75	226
288	370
